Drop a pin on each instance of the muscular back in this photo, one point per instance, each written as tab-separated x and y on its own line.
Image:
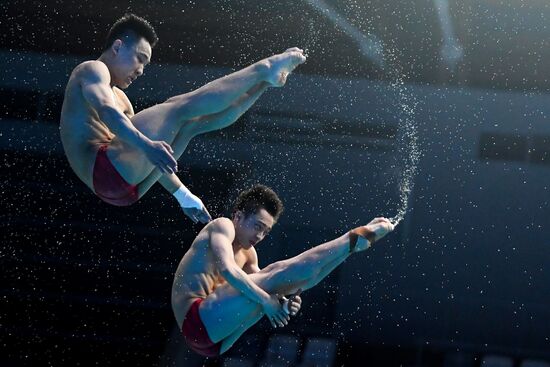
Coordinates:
82	132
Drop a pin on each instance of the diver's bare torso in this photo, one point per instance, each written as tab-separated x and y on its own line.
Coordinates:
197	275
82	132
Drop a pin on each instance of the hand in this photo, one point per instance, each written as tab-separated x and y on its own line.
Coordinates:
159	153
274	311
380	227
295	303
198	215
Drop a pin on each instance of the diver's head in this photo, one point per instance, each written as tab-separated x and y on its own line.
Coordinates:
128	49
255	212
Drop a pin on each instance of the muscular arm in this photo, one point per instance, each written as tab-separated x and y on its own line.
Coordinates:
170	182
94	79
222	235
95	83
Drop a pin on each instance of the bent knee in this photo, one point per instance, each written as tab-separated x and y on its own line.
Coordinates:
275	267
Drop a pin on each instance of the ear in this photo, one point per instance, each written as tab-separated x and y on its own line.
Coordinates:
115	47
239	216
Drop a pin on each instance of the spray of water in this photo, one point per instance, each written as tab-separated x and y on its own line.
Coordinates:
407	142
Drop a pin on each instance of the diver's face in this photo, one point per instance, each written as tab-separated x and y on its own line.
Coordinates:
251	229
131	57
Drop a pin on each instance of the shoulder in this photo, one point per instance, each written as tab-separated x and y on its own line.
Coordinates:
92	69
223	226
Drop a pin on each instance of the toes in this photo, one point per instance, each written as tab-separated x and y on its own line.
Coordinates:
294	49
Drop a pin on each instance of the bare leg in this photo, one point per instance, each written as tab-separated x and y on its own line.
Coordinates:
247	324
256	316
325	271
224	311
177	115
203	125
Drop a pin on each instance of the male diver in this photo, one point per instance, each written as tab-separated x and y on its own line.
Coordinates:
119	155
219	290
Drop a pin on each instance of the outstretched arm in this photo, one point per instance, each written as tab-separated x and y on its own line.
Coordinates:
192	206
222	235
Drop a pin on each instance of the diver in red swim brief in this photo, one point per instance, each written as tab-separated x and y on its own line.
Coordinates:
147	144
109	184
195	334
219	291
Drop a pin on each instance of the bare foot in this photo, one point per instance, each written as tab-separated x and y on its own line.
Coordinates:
372	232
282	65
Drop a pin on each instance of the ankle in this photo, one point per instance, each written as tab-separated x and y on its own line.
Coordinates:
360	239
263	67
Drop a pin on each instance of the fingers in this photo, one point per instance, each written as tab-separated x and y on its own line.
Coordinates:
199	215
171	163
275	322
295	303
280	319
160	154
167	146
294	309
205	216
192	213
167	166
166	169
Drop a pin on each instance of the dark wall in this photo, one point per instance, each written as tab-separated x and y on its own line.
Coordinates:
465	268
505	44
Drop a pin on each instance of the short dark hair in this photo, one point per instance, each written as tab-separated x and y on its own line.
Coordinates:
131	25
258	197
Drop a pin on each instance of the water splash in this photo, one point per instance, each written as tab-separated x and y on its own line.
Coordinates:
408	153
407	141
369	45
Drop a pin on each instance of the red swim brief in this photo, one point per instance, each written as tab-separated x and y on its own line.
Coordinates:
195	334
109	184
